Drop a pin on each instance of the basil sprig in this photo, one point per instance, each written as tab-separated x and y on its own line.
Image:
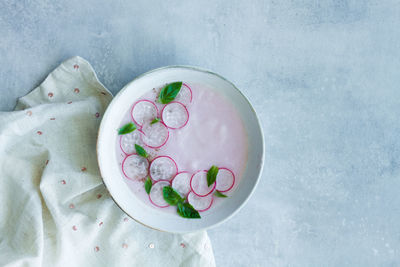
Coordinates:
171	196
219	194
127	128
140	151
169	92
184	209
212	175
147	185
155	120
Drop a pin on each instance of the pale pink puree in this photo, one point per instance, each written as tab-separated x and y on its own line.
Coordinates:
214	135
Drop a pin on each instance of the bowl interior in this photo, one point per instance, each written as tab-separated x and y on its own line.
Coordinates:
108	164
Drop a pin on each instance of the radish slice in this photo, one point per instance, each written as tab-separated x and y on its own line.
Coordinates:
155	135
156	195
181	183
200	203
175	115
128	141
185	95
143	111
225	180
198	184
163	168
135	167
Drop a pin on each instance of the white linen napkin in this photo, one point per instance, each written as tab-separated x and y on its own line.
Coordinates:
54	208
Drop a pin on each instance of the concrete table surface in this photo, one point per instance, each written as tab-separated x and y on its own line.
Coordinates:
324	77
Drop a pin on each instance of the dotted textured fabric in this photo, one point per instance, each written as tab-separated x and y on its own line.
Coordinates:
54	207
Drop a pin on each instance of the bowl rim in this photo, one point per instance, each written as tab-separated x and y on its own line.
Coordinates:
194	68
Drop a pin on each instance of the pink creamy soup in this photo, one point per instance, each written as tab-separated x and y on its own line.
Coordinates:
203	129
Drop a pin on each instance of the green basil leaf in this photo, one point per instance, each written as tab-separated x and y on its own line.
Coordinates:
219	194
187	211
127	128
147	185
171	196
155	120
212	175
169	92
140	151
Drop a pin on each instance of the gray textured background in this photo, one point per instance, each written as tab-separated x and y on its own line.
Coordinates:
323	75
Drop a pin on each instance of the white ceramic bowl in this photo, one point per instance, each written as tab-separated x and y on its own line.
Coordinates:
114	181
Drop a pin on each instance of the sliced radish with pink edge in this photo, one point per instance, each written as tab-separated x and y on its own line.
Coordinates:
198	184
128	141
200	203
143	111
175	115
163	168
156	195
181	183
135	167
225	180
155	135
185	95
